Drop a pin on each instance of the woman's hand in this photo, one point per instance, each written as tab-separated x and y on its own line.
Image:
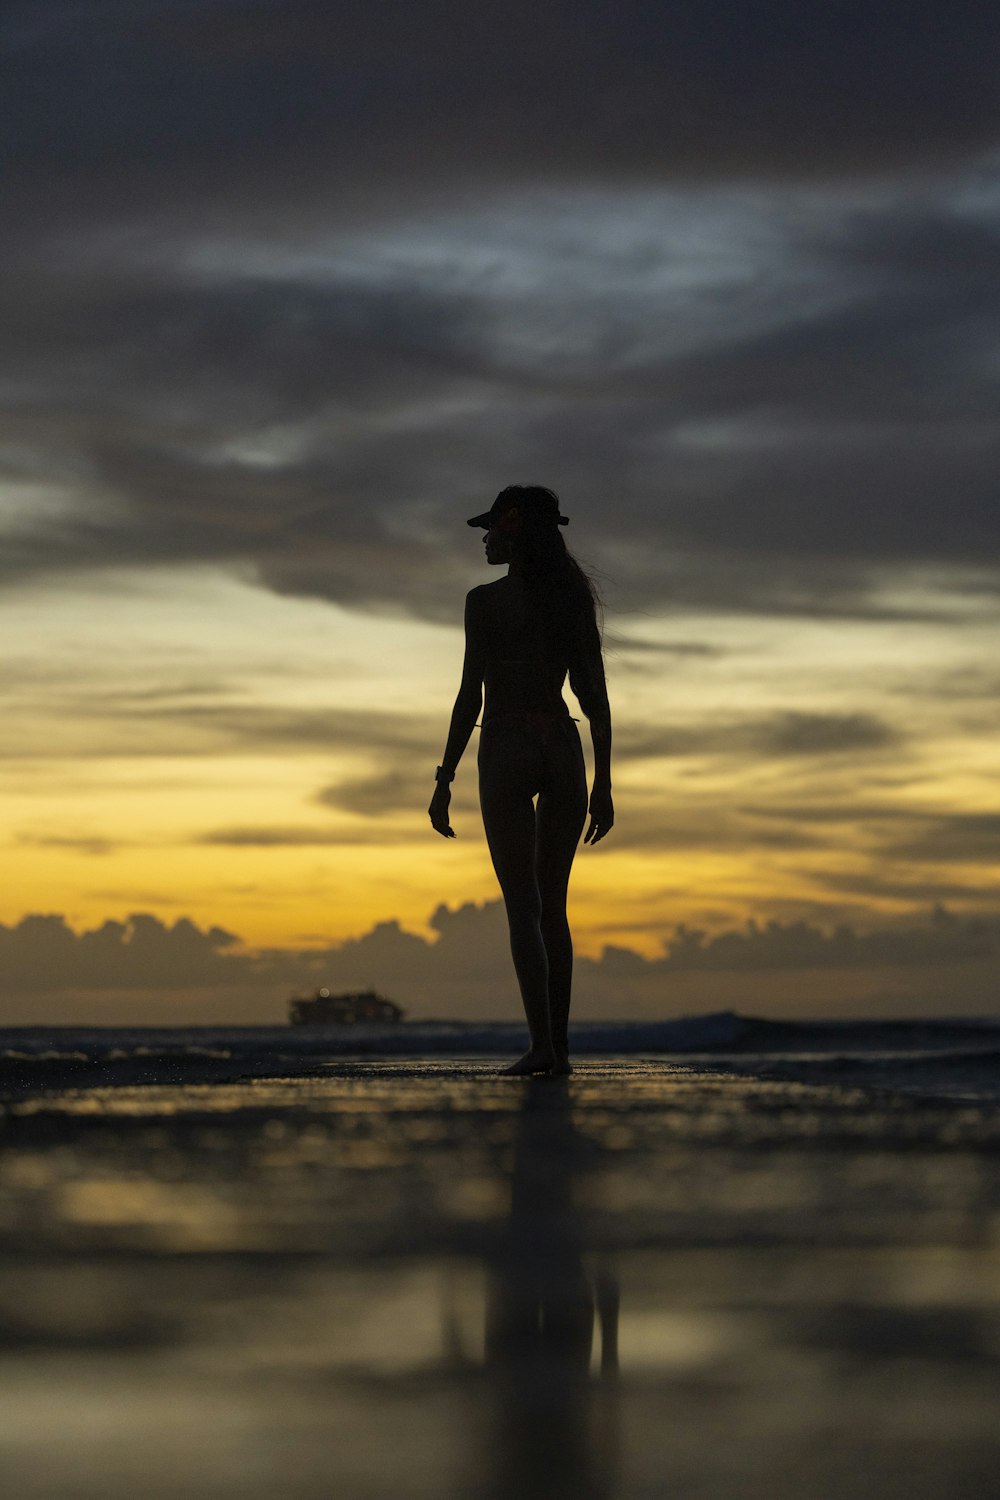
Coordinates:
438	810
602	814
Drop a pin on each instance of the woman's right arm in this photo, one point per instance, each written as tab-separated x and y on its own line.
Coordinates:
464	715
587	680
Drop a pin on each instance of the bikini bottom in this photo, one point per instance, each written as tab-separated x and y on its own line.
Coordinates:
522	753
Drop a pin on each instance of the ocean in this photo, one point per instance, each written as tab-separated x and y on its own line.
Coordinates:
955	1057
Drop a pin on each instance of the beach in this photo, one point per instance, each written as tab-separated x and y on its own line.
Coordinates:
770	1272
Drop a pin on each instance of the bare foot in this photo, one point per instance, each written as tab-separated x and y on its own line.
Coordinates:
562	1065
535	1060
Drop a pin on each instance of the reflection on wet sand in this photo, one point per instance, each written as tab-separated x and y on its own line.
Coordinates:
553	1426
400	1278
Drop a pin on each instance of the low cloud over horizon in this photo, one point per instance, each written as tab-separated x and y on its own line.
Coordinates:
143	970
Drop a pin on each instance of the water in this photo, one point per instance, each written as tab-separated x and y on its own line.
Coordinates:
959	1057
728	1257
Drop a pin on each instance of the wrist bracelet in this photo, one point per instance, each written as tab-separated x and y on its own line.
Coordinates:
442	775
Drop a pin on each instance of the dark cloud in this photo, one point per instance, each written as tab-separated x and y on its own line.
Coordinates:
977	680
396	790
879	884
770	415
96	723
370	731
959	838
256	348
897	836
466	965
853	810
800	945
42	953
626	644
325	437
301	838
81	844
796	733
921	308
584	89
657	826
787	733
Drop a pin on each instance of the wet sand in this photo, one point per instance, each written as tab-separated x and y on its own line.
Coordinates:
415	1278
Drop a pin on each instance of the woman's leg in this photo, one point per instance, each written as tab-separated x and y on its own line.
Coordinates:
562	812
509	821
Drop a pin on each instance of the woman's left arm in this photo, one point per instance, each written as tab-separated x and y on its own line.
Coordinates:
468	705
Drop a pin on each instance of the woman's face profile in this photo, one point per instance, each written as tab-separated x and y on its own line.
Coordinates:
498	538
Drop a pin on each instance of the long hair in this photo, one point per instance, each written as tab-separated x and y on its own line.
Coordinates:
563	593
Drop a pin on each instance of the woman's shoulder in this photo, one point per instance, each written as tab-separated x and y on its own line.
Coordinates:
486	603
496	585
479	595
489	594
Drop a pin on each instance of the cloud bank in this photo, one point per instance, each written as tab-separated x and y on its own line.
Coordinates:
145	971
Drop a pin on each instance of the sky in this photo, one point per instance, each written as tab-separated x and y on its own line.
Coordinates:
291	289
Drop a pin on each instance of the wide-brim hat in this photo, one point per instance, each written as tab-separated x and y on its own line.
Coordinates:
525	497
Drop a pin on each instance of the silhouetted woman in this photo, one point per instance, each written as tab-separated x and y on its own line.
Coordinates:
523	633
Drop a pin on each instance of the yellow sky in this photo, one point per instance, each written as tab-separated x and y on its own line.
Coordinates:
172	738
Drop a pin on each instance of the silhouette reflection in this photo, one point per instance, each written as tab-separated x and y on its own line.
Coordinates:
552	1425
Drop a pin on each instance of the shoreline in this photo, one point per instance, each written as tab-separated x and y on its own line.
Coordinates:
958	1076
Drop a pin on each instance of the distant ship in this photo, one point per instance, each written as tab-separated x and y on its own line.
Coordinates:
358	1006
